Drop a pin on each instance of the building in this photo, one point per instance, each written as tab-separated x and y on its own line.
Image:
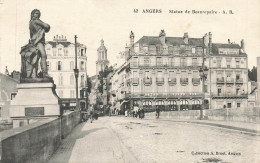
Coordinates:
252	94
8	90
164	72
258	81
102	61
61	64
228	75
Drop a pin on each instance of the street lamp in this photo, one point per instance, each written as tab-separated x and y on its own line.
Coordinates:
203	76
76	73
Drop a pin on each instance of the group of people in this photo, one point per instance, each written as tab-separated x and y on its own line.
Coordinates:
90	113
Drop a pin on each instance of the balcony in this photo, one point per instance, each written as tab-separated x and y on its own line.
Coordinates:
159	81
172	81
184	81
147	81
196	81
230	80
135	81
239	81
228	96
166	95
163	65
220	80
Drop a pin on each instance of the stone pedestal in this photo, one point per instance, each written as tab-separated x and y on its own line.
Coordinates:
35	100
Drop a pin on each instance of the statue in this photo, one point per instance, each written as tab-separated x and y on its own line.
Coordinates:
35	49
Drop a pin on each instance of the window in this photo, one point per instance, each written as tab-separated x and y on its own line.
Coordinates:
183	62
237	91
170	50
219	91
237	77
206	88
71	65
159	61
158	49
65	52
48	51
60	79
82	52
238	105
59	65
59	51
194	62
193	50
72	79
229	105
146	61
237	64
54	52
82	66
72	93
82	81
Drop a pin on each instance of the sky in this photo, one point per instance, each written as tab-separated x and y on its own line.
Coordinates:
92	20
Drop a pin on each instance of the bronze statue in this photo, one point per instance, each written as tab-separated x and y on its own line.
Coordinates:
35	50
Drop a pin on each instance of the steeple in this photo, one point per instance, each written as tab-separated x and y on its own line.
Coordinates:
102	61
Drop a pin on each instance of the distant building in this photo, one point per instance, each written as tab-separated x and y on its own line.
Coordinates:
252	94
61	64
102	61
8	90
258	81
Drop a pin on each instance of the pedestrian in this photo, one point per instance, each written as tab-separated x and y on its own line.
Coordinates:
91	110
133	113
157	112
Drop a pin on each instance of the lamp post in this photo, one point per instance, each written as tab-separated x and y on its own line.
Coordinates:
203	76
76	73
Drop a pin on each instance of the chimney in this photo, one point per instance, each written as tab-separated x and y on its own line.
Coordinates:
186	38
243	45
210	42
228	41
162	36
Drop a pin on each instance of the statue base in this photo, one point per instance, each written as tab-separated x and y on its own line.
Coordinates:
35	100
37	80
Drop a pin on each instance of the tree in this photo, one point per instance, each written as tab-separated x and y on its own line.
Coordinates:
89	84
252	74
102	75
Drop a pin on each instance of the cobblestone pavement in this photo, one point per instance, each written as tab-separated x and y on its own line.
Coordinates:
125	139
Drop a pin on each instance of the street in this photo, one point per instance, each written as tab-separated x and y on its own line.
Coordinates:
125	139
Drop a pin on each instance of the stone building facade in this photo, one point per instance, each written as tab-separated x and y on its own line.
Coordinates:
61	62
164	72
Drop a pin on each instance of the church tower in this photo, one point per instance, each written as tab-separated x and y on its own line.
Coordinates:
102	61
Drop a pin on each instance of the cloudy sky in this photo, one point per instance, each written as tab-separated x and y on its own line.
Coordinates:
92	20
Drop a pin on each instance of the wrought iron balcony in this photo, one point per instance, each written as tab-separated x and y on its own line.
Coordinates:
166	95
228	95
172	81
239	81
184	81
195	81
220	80
162	65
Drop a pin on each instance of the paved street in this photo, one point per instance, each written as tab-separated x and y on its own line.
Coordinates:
124	139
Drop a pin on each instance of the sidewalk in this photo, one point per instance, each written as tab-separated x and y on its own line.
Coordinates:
240	126
92	142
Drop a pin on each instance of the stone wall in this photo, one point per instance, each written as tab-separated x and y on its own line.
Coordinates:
239	114
38	141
